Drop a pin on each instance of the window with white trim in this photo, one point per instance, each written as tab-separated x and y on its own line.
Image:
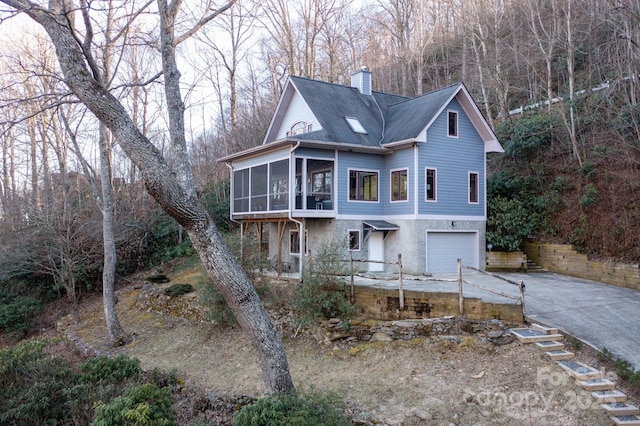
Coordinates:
294	241
473	188
354	239
452	124
430	188
399	185
299	128
363	185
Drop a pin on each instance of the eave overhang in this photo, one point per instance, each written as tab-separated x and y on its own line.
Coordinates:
306	143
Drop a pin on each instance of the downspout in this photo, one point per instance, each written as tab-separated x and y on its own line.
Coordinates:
292	203
231	210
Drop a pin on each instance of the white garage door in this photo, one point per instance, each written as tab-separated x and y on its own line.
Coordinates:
444	249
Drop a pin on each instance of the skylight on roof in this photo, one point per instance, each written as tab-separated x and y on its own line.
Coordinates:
355	124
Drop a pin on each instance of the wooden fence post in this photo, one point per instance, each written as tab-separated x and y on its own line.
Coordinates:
353	293
460	296
521	287
400	289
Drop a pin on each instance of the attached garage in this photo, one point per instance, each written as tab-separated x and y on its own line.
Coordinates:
445	248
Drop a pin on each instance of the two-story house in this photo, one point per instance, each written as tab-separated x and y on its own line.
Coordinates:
384	174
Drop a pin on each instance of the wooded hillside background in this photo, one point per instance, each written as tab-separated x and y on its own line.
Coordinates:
569	173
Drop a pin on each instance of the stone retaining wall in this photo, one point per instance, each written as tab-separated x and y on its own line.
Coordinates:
506	261
564	259
379	303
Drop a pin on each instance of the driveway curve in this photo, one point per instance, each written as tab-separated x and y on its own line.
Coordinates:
601	315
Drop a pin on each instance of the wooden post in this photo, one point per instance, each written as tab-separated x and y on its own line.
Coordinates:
400	289
460	296
353	292
521	287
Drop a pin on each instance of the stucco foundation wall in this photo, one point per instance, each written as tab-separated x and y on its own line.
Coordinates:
564	259
411	240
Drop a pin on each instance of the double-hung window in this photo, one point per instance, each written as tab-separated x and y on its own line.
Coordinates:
363	185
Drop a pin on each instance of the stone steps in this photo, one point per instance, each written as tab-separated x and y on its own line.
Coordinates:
620	409
550	345
603	391
560	355
626	420
534	267
593	385
528	335
608	396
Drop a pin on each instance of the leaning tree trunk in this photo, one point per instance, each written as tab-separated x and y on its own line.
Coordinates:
231	280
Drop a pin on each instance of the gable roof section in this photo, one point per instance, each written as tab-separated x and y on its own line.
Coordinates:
406	120
331	103
389	120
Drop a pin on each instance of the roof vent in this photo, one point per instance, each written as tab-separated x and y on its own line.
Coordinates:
361	80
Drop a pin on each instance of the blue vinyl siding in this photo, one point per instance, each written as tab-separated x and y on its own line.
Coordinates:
315	153
359	161
402	159
454	158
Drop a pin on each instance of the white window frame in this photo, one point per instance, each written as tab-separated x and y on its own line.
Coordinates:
359	240
449	112
391	172
435	189
349	185
477	187
306	239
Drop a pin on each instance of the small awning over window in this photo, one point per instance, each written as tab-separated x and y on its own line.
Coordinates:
377	225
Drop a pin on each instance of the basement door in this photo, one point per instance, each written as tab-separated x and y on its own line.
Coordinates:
376	251
444	249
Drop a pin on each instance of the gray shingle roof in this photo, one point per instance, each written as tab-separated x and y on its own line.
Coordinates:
403	118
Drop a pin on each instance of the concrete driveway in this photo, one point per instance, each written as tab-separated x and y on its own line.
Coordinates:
601	315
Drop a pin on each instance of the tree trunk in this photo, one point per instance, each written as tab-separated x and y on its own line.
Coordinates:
117	335
231	280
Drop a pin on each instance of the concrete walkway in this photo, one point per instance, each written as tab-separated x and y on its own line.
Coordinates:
601	315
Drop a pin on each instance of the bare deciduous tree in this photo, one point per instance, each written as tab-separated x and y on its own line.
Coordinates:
159	178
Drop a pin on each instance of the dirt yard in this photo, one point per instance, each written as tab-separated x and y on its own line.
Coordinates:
440	380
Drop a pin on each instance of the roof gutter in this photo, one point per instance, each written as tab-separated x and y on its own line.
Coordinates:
399	144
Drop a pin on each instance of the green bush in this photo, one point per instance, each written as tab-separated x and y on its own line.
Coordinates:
322	292
103	369
17	315
178	289
623	368
33	385
218	312
634	380
164	242
164	379
526	137
590	196
140	405
158	278
313	408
